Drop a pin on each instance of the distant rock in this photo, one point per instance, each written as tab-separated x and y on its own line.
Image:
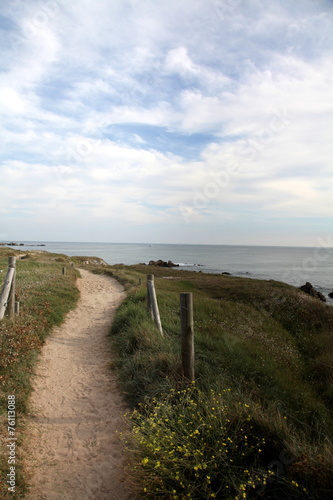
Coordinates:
225	273
310	290
12	244
162	263
331	294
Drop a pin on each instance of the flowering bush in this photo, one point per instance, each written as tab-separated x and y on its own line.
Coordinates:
189	445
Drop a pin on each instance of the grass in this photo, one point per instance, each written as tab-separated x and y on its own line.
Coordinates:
45	296
269	346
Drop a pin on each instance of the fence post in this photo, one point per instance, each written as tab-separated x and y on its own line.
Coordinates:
152	304
187	335
17	308
7	286
64	271
11	301
150	277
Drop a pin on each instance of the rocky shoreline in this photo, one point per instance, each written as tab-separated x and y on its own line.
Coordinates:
12	244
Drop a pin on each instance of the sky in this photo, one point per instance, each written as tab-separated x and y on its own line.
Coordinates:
179	121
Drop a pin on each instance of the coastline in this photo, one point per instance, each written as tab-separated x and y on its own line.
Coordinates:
292	265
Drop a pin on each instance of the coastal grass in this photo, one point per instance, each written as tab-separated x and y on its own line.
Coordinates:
258	420
45	296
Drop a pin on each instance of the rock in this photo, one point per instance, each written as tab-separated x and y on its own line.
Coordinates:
171	264
225	273
331	294
162	263
308	288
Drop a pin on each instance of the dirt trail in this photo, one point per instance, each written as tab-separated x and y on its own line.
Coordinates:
72	450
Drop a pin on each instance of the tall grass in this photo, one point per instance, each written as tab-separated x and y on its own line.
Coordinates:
45	296
266	342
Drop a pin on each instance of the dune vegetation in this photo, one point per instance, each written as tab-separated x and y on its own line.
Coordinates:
258	419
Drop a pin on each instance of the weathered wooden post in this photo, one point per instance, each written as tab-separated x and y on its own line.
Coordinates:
11	301
17	308
7	286
64	271
153	306
148	303
187	335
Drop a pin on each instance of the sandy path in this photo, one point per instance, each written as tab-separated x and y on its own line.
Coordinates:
72	450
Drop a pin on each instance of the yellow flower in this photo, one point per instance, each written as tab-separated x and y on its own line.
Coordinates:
145	461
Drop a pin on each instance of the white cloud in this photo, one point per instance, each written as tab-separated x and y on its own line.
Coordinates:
256	77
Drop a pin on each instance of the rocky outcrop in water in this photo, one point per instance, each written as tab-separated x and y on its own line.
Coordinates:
12	244
162	263
310	290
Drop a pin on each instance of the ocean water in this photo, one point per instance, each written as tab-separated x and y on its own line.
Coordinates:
292	265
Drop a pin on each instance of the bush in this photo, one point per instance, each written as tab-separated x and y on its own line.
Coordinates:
188	444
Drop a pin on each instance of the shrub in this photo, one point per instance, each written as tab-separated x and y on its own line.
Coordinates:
188	444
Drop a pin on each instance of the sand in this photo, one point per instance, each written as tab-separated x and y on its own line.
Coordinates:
72	449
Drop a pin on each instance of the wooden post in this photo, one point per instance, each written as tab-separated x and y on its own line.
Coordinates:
153	302
64	271
187	335
149	305
11	301
7	286
140	281
17	308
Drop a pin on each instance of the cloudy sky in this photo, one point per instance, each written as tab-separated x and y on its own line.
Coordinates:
179	121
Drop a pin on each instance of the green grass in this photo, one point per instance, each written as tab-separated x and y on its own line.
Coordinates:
45	296
270	345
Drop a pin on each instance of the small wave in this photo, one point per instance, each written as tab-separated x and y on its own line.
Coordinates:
185	264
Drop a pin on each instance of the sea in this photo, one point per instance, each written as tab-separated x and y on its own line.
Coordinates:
292	265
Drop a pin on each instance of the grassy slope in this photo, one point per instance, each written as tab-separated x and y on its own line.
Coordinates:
45	296
267	341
